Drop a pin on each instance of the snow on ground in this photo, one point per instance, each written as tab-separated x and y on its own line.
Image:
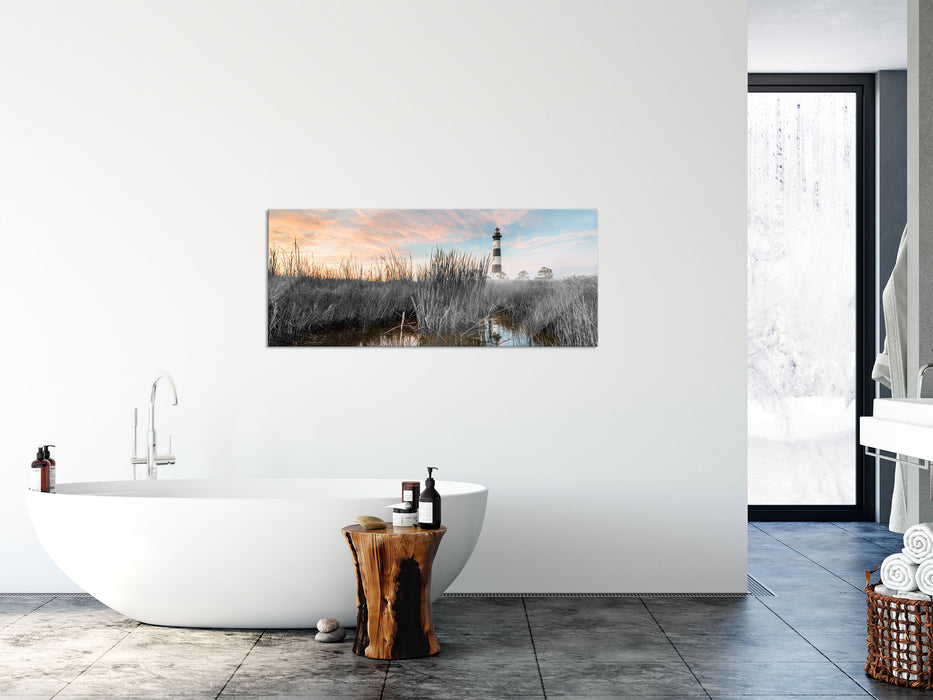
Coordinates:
803	453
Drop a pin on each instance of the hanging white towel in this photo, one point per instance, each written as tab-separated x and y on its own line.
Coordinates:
918	542
899	572
891	365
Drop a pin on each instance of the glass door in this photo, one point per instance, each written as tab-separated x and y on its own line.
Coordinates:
807	222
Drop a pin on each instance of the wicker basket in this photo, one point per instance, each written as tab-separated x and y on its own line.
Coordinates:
900	639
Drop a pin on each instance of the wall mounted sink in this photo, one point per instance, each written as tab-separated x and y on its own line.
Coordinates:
902	426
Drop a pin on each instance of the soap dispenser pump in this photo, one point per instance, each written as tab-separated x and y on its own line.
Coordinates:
429	508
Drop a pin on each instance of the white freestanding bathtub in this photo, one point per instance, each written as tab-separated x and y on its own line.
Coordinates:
247	553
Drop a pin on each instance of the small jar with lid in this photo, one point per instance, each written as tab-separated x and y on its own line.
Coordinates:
403	515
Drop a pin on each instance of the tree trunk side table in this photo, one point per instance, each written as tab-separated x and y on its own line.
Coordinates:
393	591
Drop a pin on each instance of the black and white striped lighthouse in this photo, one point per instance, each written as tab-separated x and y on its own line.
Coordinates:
496	253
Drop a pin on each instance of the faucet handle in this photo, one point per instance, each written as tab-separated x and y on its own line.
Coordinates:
167	458
134	460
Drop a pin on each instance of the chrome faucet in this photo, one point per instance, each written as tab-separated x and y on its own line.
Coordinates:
923	370
152	459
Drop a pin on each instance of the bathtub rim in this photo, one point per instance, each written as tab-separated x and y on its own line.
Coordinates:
238	488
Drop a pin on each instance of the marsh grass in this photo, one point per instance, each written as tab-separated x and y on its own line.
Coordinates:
308	305
565	309
306	296
448	296
390	267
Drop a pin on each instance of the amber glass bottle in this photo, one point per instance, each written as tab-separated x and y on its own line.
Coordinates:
411	493
47	456
40	474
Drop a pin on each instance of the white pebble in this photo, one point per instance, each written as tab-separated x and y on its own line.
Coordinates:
327	624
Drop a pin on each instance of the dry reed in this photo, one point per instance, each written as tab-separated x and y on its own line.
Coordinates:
448	296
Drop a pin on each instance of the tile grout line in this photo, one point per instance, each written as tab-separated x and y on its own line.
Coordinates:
853	533
102	655
812	561
39	607
227	682
534	650
820	651
796	631
859	535
385	680
674	647
26	614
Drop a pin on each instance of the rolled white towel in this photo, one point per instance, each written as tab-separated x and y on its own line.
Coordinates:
918	542
899	572
881	589
900	644
925	577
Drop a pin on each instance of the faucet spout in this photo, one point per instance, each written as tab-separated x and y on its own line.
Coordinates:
153	459
152	394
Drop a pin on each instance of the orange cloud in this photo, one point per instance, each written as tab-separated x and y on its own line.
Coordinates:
333	235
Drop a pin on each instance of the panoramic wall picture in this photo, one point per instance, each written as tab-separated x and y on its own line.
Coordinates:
432	277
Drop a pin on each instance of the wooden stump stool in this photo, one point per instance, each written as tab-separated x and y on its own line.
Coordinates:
393	591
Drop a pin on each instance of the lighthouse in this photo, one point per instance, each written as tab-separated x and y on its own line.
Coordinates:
496	254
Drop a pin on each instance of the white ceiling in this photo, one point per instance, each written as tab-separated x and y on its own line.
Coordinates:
826	36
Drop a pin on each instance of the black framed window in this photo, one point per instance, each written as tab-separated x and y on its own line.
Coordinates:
811	295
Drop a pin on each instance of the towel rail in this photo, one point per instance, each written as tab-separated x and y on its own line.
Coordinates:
921	463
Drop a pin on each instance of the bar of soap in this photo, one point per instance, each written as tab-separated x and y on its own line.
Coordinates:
370	522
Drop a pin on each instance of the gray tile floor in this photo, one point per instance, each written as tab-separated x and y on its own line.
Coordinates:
806	641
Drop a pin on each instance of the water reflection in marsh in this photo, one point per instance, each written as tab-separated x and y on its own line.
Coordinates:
497	330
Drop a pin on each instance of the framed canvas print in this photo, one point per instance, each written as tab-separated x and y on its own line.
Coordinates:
432	277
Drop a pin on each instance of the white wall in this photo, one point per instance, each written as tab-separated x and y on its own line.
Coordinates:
143	142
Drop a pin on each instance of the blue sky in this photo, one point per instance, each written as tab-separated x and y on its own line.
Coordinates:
566	240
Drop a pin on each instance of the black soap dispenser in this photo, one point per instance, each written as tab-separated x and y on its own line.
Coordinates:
429	508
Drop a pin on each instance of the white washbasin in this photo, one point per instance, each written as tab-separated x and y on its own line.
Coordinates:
913	411
903	426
